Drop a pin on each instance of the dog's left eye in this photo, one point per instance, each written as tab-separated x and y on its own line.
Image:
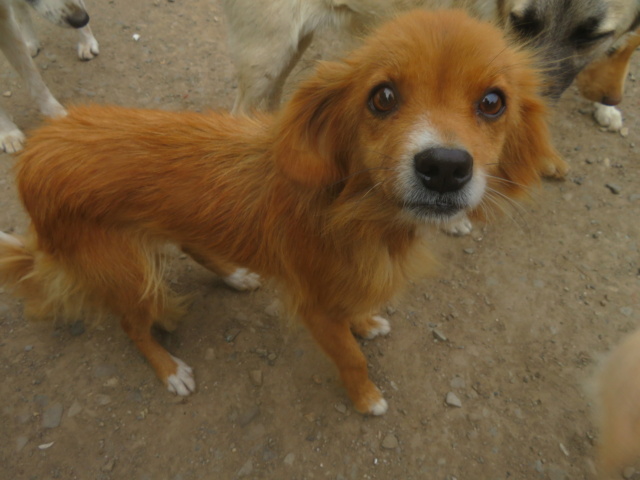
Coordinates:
492	104
383	99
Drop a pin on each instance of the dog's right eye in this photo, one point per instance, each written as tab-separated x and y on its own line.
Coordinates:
492	104
383	99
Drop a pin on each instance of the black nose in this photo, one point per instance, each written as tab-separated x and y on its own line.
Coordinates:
77	18
444	169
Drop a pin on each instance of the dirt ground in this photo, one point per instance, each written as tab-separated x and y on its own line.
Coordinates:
523	308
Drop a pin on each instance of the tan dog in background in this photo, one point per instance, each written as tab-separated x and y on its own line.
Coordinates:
266	39
602	81
433	116
617	397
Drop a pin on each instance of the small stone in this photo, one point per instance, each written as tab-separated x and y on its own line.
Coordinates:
246	417
103	400
390	442
108	467
28	348
74	409
564	449
469	251
438	335
6	93
21	441
607	162
272	357
316	379
452	400
210	354
391	309
77	328
112	382
135	37
340	407
231	334
615	189
289	459
52	416
626	311
44	446
624	132
256	377
246	469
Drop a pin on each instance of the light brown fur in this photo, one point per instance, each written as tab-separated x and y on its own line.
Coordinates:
311	197
616	392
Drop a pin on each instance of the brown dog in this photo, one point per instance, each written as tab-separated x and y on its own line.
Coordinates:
433	116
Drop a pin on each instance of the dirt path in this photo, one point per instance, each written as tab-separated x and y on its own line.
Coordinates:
526	305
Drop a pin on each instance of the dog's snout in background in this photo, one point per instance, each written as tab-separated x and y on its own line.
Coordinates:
77	17
444	170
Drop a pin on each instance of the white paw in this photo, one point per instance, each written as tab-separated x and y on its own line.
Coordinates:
88	49
243	279
182	382
382	327
379	407
608	116
11	141
458	226
34	47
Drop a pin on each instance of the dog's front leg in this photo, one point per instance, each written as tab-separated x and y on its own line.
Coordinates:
335	338
16	51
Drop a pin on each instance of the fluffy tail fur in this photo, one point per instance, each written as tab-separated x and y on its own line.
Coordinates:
51	290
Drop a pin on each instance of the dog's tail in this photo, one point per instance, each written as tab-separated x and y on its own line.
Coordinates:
617	397
16	262
49	291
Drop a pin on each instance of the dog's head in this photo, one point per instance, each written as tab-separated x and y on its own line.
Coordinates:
603	79
568	33
432	113
64	13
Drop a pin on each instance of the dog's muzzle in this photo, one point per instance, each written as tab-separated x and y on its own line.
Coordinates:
443	170
442	174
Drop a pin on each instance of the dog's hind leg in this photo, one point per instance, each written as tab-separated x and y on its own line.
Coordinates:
261	80
236	277
335	338
125	274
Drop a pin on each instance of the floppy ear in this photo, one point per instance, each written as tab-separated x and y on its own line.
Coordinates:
313	130
528	153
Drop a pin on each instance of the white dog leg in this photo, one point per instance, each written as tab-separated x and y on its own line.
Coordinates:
87	44
16	51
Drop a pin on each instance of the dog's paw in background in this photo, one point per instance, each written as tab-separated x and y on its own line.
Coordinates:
11	140
88	47
243	280
457	227
608	117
